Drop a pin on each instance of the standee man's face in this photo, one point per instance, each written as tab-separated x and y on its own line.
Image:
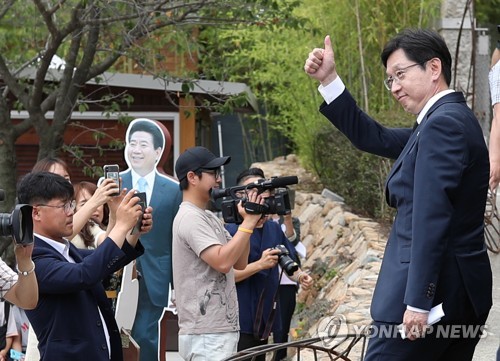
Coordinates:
142	154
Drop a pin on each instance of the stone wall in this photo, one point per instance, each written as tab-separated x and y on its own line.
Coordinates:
344	253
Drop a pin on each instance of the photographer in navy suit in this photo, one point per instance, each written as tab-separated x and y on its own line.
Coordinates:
73	319
438	184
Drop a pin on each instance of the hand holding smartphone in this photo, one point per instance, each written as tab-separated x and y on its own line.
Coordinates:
113	171
143	203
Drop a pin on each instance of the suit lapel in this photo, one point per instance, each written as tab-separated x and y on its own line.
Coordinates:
42	245
127	179
452	97
73	252
406	149
157	191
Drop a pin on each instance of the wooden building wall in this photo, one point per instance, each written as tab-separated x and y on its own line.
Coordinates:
27	147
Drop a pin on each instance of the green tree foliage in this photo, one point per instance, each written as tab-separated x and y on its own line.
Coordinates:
94	36
271	62
487	13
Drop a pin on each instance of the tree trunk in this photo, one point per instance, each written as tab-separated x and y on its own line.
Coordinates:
8	165
50	136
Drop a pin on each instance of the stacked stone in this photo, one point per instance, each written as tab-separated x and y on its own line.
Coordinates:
344	253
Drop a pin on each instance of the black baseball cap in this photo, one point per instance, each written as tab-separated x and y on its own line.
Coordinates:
195	158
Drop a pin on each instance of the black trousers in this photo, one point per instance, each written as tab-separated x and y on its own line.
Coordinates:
248	341
446	342
287	297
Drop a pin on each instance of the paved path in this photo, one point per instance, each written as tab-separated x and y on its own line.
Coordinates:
487	347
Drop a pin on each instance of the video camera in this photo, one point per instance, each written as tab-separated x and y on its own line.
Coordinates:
278	203
18	224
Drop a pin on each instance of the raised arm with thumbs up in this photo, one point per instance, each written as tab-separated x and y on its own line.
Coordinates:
435	252
320	64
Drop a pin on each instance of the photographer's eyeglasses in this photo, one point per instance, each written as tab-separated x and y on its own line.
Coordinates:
68	207
399	75
215	172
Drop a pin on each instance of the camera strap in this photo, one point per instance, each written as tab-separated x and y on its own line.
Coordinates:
6	311
255	208
260	310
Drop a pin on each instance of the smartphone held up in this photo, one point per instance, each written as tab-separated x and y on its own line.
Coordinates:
143	203
112	171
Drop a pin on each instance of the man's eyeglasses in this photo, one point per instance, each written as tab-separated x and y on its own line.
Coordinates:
68	207
398	76
215	172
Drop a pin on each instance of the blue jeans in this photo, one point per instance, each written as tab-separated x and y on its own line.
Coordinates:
208	346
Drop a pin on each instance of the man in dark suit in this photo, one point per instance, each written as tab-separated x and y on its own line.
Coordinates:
73	319
435	252
145	144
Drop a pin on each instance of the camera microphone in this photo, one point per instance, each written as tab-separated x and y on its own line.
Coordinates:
279	182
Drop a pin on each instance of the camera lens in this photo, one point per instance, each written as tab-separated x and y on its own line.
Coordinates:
5	225
18	224
288	264
285	261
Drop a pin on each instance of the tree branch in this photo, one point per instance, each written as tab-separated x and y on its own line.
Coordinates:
22	127
6	7
67	99
56	7
17	89
47	17
53	45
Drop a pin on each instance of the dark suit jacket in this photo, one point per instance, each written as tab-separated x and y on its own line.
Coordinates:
156	264
66	319
435	252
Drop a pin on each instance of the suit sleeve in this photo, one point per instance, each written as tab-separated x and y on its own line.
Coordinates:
440	162
59	276
364	132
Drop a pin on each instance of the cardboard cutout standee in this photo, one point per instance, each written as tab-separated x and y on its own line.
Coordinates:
148	144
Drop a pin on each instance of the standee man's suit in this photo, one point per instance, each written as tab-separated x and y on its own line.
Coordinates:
155	266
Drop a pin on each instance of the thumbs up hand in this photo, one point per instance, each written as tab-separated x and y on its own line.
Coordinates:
320	64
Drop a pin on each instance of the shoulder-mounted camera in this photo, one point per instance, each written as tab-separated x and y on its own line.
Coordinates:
277	203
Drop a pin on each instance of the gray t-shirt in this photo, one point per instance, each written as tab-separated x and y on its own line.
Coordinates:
206	299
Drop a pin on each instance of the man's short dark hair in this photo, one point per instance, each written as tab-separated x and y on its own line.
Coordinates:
420	45
249	173
184	184
148	127
42	187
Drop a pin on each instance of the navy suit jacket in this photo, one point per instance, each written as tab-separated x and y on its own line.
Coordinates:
156	264
66	319
438	184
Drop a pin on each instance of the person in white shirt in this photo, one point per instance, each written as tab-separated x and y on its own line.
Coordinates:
494	146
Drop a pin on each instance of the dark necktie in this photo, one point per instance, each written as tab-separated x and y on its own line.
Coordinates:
415	126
